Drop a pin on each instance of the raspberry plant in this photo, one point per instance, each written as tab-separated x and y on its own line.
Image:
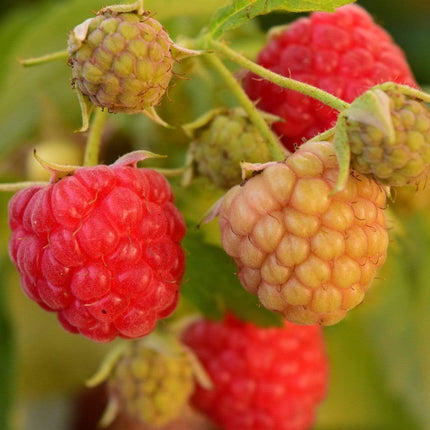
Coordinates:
301	232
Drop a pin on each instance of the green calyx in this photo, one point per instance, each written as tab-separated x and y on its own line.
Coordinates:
222	140
385	133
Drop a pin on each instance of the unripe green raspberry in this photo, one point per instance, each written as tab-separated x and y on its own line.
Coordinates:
151	384
306	254
222	143
389	136
121	60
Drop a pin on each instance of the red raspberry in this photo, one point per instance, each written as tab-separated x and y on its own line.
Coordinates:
263	378
343	53
100	248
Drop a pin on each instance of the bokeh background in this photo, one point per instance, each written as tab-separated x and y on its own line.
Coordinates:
380	354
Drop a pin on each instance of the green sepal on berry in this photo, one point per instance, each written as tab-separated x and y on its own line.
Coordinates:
122	60
385	133
221	140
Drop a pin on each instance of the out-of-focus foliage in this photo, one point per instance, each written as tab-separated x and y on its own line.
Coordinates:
217	289
7	350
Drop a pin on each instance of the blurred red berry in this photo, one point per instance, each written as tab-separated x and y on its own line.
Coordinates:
343	53
264	378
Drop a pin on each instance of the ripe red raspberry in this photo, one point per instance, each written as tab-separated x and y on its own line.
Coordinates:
269	378
343	53
305	254
100	248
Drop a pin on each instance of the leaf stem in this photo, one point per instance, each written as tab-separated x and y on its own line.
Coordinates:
92	149
45	58
282	81
277	152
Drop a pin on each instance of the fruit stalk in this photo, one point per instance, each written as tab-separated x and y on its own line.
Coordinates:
282	81
92	148
276	150
45	58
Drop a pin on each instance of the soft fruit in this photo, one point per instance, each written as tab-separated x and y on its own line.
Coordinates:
389	136
263	378
151	384
220	145
101	248
343	53
121	61
307	254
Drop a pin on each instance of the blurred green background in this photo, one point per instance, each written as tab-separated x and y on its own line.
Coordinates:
380	354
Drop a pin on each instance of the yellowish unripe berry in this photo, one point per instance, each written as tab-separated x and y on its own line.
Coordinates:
306	253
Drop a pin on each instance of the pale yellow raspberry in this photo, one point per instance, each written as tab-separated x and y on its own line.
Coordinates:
307	254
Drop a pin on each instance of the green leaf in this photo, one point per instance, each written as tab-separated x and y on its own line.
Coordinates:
240	11
211	285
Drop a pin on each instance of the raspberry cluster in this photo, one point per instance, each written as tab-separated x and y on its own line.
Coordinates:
306	254
344	53
101	248
263	378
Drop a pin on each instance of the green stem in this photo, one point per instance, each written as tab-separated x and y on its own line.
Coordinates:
282	81
18	186
92	148
277	152
45	58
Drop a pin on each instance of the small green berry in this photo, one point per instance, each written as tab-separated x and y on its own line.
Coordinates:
152	384
389	136
222	142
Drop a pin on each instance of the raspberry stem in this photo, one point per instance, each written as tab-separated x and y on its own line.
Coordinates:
277	152
18	186
44	58
282	81
92	148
